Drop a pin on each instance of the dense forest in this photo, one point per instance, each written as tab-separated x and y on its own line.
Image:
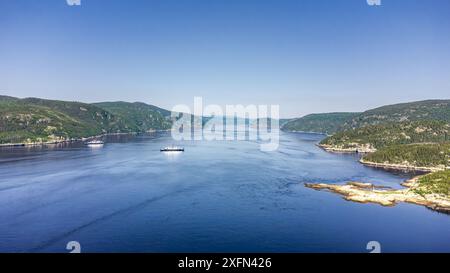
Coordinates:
34	120
419	155
382	135
319	123
138	116
397	133
330	123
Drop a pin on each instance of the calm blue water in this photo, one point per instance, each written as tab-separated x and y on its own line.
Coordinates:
215	197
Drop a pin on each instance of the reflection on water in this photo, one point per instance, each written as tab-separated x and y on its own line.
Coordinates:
95	146
218	196
173	155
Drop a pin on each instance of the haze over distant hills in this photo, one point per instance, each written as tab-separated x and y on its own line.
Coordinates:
34	120
327	123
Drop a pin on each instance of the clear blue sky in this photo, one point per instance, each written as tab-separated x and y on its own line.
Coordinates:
305	55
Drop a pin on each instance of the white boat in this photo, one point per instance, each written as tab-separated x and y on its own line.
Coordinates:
172	149
95	143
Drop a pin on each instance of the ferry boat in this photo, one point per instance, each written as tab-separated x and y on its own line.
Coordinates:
172	149
95	143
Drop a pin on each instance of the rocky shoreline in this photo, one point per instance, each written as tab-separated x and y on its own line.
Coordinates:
53	142
307	132
72	140
385	166
357	149
369	193
401	167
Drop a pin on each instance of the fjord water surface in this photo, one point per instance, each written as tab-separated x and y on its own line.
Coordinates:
222	196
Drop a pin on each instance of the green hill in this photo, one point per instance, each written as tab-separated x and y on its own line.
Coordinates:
138	116
330	123
418	155
283	121
38	120
413	111
34	120
327	123
382	135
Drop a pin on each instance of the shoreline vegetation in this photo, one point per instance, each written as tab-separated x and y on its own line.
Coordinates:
431	189
363	149
402	167
35	121
417	191
409	137
82	139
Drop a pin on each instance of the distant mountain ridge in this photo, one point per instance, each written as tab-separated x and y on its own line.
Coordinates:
34	120
37	121
327	123
411	111
330	123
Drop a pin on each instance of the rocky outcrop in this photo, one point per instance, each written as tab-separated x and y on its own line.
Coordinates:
369	193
